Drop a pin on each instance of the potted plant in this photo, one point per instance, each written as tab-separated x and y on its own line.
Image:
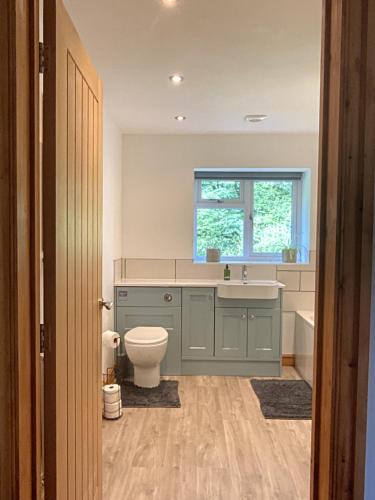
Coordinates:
289	254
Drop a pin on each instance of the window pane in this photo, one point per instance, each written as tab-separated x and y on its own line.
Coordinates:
272	216
220	190
220	228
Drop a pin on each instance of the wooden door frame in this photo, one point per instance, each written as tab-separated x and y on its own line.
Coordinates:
346	199
19	250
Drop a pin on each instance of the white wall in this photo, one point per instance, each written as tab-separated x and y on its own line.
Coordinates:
158	183
112	209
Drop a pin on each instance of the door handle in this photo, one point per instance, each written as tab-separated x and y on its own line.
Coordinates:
251	316
106	304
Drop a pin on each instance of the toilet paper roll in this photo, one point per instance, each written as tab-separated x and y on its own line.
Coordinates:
112	407
112	416
111	389
111	398
111	393
112	411
110	339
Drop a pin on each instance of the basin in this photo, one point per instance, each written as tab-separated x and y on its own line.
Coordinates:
253	289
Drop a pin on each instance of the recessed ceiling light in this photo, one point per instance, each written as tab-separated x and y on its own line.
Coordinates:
169	3
180	118
176	79
255	118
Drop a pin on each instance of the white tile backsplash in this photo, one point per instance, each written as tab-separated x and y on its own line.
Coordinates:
186	269
259	272
308	282
291	280
296	267
150	268
297	301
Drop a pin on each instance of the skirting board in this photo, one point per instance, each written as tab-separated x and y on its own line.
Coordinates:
288	360
231	368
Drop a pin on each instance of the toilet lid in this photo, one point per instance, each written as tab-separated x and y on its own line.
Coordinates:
146	335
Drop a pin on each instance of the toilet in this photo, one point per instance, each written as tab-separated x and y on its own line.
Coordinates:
146	347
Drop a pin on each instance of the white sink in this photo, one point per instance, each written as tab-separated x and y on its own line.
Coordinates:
262	289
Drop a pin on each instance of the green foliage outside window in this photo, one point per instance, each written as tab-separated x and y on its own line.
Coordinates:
220	190
223	227
272	216
220	228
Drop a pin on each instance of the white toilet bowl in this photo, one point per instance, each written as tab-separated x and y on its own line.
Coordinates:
146	347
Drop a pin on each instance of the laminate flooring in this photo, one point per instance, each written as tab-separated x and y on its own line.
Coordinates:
217	446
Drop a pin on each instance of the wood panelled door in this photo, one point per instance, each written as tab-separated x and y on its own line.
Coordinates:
72	210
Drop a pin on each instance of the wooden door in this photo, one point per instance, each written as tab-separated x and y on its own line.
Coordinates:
230	332
263	334
198	322
72	213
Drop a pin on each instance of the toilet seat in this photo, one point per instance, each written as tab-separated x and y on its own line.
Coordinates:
146	336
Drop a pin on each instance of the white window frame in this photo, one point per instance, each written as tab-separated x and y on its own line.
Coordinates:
246	203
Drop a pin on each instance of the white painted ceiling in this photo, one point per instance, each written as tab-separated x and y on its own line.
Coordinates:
238	57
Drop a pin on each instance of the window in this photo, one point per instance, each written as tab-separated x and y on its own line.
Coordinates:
248	215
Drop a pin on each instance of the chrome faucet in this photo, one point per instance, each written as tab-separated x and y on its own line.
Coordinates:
244	274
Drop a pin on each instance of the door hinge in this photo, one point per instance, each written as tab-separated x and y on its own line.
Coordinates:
42	339
42	58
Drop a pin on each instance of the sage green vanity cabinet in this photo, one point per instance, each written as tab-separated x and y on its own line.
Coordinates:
198	322
263	335
152	307
207	335
231	332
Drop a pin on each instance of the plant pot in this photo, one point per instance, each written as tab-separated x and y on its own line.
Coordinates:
213	255
289	255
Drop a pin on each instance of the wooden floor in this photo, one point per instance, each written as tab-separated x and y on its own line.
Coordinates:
216	446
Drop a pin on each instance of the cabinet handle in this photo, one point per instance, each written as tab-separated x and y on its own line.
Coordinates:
168	297
251	316
243	316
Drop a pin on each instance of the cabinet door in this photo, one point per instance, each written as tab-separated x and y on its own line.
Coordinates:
263	334
231	332
198	322
166	317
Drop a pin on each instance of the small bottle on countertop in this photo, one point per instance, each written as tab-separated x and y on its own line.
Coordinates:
227	273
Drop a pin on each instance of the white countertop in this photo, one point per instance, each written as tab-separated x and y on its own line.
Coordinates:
180	283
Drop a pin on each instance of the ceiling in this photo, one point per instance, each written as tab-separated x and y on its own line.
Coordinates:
238	57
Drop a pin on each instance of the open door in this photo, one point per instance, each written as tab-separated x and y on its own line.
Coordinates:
72	215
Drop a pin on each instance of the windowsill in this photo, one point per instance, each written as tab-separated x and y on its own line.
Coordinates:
278	263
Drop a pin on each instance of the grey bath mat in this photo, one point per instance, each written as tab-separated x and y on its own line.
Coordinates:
284	399
163	396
